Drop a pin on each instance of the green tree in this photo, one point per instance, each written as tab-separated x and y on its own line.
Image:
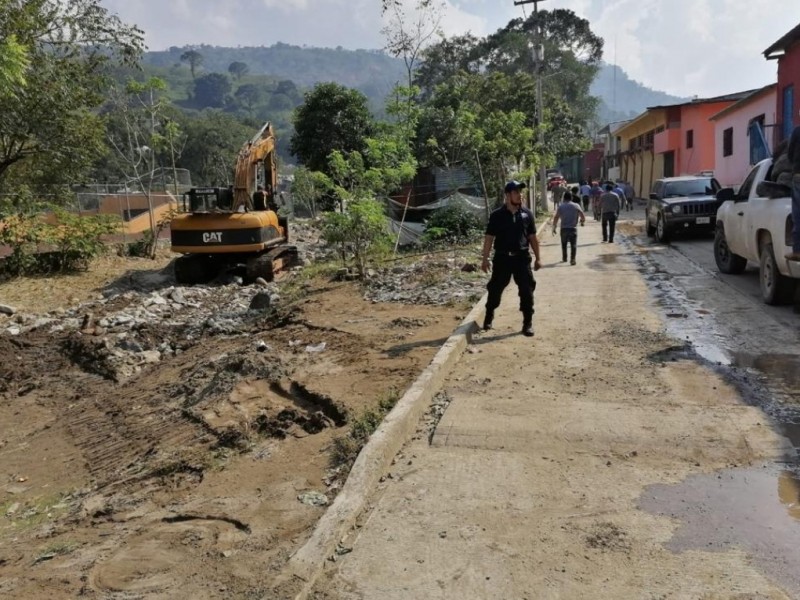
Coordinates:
49	129
309	188
360	231
410	29
13	64
442	61
194	59
213	140
141	109
332	117
211	90
280	102
288	88
249	96
238	69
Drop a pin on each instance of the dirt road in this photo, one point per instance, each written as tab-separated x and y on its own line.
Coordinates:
607	458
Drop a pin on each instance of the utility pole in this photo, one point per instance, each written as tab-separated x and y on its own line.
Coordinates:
538	58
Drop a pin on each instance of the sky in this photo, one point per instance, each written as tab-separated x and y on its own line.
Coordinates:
684	47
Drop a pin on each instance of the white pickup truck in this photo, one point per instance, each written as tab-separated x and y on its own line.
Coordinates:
755	224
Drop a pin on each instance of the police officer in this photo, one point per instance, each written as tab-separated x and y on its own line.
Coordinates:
511	229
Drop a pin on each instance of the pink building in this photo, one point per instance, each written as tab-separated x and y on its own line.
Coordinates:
743	133
687	144
787	52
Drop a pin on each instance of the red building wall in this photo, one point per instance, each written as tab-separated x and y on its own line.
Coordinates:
593	162
789	74
701	157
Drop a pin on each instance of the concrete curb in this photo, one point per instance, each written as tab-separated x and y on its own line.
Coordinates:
376	456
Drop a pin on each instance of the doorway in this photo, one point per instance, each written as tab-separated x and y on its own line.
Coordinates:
669	164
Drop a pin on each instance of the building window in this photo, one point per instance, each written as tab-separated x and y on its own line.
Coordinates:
649	137
727	142
690	138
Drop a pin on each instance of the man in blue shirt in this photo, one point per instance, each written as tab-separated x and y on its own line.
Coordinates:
512	231
585	191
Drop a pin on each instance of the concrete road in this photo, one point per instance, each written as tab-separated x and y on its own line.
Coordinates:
618	454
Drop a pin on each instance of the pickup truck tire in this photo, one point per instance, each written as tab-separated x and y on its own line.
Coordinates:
775	287
727	262
650	229
662	233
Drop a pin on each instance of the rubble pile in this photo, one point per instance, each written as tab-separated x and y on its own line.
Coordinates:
440	282
118	334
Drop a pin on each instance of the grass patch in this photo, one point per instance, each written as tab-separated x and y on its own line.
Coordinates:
345	449
61	548
33	513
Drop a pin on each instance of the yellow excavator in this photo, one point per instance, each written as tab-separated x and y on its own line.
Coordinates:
237	227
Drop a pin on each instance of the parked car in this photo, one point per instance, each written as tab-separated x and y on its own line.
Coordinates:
554	179
755	224
681	204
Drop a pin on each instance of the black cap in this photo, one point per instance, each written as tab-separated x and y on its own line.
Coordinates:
514	185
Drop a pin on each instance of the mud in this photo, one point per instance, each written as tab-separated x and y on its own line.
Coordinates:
178	475
754	509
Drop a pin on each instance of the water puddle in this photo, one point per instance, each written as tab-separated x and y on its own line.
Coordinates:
754	509
783	369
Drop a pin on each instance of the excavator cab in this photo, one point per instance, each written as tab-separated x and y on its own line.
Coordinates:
208	200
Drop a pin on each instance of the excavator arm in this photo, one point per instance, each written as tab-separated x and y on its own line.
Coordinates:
256	154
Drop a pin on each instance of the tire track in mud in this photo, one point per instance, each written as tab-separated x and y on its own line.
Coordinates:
118	440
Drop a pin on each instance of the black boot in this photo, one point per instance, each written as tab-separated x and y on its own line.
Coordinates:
487	320
527	326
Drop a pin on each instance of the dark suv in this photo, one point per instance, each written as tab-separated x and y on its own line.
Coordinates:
680	204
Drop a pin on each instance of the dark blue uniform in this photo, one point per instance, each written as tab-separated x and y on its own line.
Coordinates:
512	258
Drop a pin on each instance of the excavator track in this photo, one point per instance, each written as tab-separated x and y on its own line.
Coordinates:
269	264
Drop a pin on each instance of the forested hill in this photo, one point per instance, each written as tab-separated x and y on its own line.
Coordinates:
631	97
375	73
370	71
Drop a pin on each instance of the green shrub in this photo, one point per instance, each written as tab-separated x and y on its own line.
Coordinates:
69	244
452	224
362	230
78	240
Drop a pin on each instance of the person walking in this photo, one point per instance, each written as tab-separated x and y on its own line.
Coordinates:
569	213
585	192
558	193
619	191
609	211
794	156
629	193
595	194
512	231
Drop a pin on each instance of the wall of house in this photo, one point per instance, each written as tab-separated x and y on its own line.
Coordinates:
731	170
789	74
696	117
640	166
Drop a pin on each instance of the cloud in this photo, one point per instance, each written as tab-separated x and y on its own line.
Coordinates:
685	47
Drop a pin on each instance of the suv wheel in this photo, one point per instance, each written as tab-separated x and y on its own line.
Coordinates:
662	233
650	229
727	262
775	287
